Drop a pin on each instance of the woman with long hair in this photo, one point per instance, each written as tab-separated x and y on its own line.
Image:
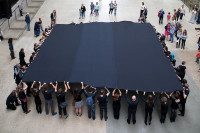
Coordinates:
116	103
77	102
164	106
184	37
149	104
36	96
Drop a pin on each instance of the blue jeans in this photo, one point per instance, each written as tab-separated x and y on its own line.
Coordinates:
28	26
91	111
115	11
41	28
171	37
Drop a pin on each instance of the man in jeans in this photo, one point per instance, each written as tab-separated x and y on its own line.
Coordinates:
102	100
90	101
28	20
172	30
111	5
48	98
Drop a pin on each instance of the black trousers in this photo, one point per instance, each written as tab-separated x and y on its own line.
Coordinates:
183	44
131	112
21	13
24	106
148	113
111	10
62	109
105	113
161	20
141	12
177	17
183	108
11	106
163	116
181	16
116	111
38	108
178	43
1	37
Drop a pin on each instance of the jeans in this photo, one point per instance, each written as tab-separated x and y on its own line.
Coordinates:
83	14
62	109
148	113
28	26
171	37
41	28
183	44
91	111
97	12
115	11
173	115
131	112
46	106
105	113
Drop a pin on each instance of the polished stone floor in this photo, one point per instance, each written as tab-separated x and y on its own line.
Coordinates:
67	11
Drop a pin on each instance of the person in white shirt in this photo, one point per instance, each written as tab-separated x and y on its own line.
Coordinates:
182	12
97	9
192	19
20	6
142	9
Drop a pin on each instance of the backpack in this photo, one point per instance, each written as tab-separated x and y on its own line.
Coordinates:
89	101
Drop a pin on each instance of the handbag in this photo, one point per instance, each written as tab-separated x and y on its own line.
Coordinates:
63	104
159	14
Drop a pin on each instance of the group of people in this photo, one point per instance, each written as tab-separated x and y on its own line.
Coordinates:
143	13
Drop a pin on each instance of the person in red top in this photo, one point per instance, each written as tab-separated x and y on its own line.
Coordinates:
168	17
198	56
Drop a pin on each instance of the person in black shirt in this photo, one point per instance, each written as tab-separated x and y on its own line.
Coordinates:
83	9
164	106
90	101
149	104
77	102
21	57
48	98
36	96
174	105
102	100
183	97
132	108
116	103
181	69
62	104
22	96
11	99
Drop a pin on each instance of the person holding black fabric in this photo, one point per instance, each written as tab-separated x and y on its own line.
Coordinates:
102	100
183	97
149	104
116	103
164	106
90	101
17	73
36	96
22	96
181	69
48	98
174	105
77	102
132	108
21	57
11	99
62	104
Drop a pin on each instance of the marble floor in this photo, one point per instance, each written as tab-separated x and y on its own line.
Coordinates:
68	11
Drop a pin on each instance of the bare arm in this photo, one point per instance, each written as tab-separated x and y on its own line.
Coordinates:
113	93
167	95
32	84
68	85
25	86
65	86
39	85
108	92
82	86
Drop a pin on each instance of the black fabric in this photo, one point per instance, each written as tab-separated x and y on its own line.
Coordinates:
121	55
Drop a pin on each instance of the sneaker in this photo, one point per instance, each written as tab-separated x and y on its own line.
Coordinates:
55	113
65	117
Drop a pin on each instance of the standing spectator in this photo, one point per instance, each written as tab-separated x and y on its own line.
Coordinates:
161	15
80	13
177	27
11	99
198	17
83	9
183	97
92	8
115	8
182	12
178	13
90	101
142	9
48	98
18	74
62	104
36	96
145	13
181	70
111	5
132	107
102	100
53	17
21	57
149	104
77	102
192	19
174	106
174	15
97	9
27	20
1	35
184	37
167	29
116	103
164	106
22	96
179	36
168	17
172	30
198	57
173	20
40	23
10	43
37	29
20	6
